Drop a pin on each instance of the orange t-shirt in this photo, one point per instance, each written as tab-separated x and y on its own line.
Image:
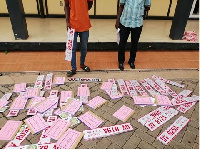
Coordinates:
79	16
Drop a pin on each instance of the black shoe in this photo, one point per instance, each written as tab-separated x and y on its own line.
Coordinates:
121	66
132	65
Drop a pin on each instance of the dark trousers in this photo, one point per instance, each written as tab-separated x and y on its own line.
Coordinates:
135	36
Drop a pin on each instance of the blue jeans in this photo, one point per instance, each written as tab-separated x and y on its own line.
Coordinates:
83	41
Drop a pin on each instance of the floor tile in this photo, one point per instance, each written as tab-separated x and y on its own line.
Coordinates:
36	61
102	30
54	30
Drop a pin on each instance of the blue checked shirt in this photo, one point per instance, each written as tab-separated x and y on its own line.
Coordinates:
133	12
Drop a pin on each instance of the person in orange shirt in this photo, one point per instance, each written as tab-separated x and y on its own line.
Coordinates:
77	17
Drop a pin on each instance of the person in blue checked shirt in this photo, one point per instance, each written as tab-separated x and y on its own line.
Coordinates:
130	19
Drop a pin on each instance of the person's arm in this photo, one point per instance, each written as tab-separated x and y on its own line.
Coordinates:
147	5
67	13
90	3
119	13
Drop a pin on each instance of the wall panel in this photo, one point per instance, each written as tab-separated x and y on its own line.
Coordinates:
159	7
103	7
3	6
30	6
173	7
106	7
56	7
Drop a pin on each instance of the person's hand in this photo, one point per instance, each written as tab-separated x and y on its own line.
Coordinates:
117	24
145	14
146	11
68	26
147	8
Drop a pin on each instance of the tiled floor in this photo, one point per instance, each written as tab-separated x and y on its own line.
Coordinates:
37	61
103	30
53	30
